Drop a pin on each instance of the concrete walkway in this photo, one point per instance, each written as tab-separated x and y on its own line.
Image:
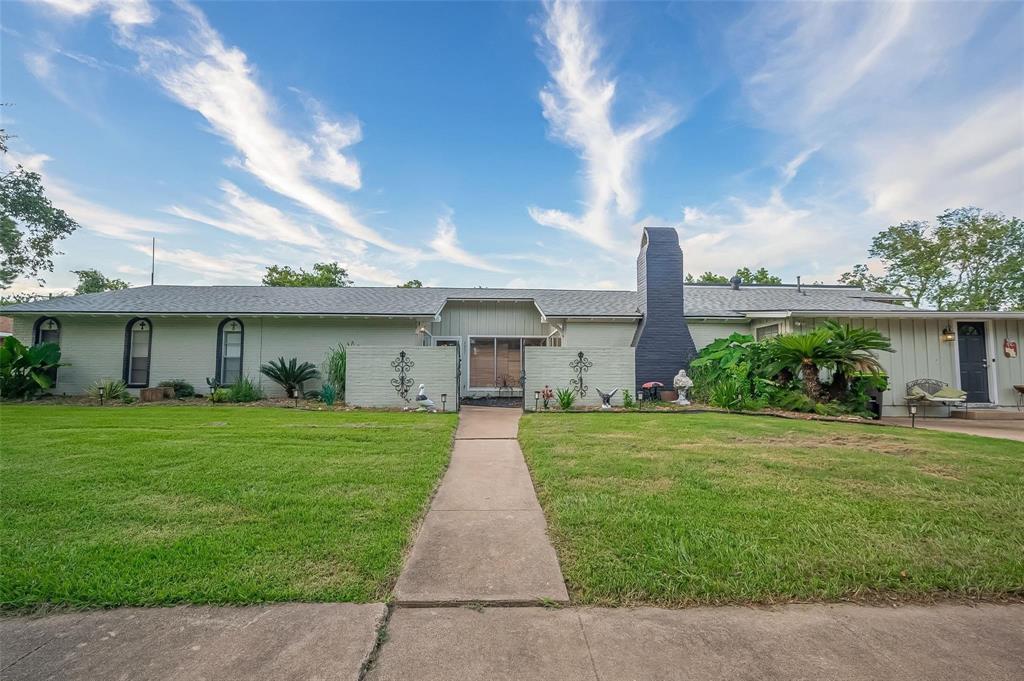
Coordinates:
277	643
1010	430
484	539
848	642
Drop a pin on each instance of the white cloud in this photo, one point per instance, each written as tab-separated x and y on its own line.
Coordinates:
445	245
217	81
125	14
237	268
578	105
977	161
39	65
243	215
93	216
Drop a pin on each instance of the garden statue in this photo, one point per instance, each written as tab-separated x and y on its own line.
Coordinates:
682	383
606	398
547	394
422	401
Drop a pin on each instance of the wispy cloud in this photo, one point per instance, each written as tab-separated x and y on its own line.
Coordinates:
578	105
90	215
244	215
445	245
221	268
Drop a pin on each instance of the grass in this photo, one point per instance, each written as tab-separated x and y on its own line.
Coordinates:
716	508
160	505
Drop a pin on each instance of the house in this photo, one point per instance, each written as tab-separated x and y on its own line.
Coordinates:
491	337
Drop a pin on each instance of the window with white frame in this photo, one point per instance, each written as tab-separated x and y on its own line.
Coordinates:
229	353
140	345
769	331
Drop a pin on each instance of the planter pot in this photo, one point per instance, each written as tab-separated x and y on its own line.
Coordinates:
668	395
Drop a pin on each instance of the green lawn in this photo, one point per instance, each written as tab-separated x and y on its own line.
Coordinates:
160	505
712	508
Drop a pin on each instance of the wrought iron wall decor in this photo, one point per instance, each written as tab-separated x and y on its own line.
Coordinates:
580	365
402	382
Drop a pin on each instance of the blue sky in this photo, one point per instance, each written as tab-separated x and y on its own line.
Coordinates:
500	144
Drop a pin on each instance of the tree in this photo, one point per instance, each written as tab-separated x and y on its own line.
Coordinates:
324	275
967	260
93	281
854	353
29	224
761	276
412	283
806	353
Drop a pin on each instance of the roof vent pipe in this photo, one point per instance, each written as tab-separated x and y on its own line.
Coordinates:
798	288
735	282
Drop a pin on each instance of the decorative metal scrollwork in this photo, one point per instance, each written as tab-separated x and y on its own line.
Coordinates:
580	365
402	382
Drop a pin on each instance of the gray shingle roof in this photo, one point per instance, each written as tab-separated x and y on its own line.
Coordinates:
701	301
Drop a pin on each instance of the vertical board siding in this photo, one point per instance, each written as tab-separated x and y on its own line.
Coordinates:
705	333
600	334
612	368
369	374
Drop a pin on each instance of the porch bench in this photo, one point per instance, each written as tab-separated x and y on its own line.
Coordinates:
929	391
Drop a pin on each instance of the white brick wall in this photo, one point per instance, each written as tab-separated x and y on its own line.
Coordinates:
612	368
368	379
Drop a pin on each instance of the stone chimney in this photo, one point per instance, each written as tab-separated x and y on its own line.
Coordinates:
663	342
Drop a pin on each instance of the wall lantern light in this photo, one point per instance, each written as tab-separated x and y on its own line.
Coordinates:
444	399
948	335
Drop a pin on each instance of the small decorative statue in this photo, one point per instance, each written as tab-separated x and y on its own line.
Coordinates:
547	394
606	398
423	402
682	383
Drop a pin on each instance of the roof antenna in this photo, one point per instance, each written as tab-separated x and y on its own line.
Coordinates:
152	263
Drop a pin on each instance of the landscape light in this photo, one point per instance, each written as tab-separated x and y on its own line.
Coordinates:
444	399
536	400
101	390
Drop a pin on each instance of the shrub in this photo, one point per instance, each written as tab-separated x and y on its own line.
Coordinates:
627	398
112	389
566	398
290	375
26	371
328	394
182	388
244	390
220	395
335	364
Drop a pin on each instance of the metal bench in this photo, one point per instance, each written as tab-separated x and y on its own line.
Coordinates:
930	386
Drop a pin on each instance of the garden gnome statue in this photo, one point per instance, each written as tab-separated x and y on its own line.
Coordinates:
424	402
682	383
606	398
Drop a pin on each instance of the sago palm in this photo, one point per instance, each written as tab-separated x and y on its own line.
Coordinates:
806	354
855	353
290	375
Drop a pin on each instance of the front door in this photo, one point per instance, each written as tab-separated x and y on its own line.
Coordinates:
973	360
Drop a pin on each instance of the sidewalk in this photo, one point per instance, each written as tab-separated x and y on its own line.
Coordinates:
484	539
788	643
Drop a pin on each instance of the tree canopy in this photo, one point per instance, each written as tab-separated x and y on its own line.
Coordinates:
967	260
29	224
93	281
761	276
412	283
323	274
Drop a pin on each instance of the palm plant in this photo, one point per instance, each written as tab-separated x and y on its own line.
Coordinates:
290	375
854	353
806	354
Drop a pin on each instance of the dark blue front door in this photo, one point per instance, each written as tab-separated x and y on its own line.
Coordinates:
973	360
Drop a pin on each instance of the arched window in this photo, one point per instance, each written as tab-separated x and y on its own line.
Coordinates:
46	330
138	345
230	341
